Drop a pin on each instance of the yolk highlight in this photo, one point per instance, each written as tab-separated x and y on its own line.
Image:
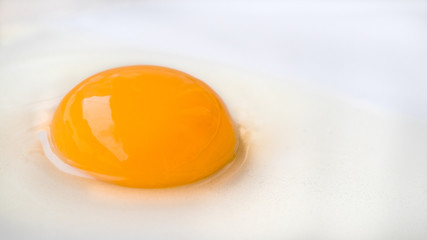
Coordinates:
144	126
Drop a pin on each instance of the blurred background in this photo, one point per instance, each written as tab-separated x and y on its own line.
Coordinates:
374	51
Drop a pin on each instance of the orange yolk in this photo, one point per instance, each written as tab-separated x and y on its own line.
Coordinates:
144	126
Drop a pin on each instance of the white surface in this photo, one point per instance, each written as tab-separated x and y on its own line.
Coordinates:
323	167
372	50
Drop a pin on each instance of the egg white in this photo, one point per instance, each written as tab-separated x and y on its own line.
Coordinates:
313	156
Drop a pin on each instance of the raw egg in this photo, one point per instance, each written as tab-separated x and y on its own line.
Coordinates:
144	126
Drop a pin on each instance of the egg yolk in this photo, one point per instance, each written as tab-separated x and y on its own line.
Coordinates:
144	126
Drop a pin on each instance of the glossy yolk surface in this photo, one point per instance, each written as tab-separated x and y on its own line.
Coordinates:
144	126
